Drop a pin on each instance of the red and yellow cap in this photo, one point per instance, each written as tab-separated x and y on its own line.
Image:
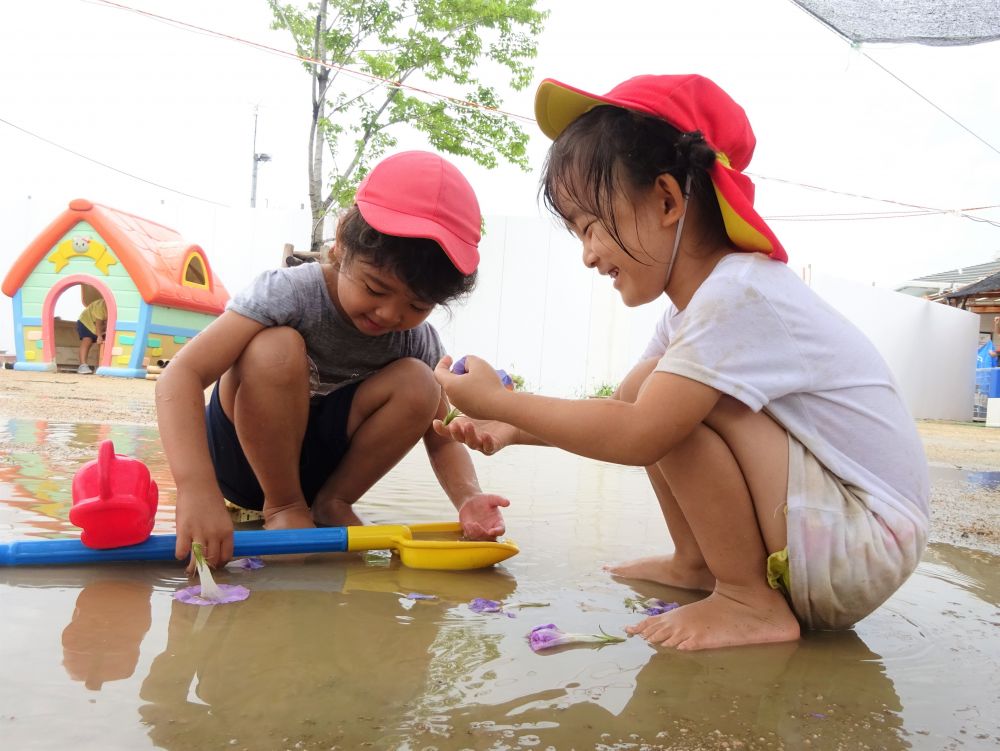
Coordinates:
689	103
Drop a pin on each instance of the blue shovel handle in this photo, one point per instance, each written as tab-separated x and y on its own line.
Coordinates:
161	547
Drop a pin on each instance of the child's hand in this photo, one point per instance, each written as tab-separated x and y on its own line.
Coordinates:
210	525
485	436
472	390
481	518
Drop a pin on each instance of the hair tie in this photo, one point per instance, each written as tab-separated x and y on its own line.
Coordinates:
694	151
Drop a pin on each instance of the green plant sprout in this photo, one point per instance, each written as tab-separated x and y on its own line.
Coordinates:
605	390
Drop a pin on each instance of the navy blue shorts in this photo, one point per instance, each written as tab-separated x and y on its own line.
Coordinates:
84	333
324	446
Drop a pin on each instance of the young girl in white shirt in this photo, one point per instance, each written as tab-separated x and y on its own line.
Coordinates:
788	469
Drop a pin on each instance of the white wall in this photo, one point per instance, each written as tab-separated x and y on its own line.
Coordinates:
539	313
930	347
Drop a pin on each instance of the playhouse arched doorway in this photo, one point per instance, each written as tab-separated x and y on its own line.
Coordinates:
61	342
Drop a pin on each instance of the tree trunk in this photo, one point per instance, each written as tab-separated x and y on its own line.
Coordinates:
317	143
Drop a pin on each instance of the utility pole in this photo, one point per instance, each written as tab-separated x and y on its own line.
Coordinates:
257	159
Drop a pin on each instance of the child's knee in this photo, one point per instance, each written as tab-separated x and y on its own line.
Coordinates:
417	391
628	390
276	355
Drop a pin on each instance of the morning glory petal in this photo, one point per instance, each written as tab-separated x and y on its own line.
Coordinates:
656	607
550	635
245	564
226	593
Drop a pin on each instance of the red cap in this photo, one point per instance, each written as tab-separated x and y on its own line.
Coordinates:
419	194
688	102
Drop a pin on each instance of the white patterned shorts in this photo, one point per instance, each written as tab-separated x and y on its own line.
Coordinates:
844	559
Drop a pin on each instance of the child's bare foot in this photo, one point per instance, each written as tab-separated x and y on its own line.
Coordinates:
288	516
665	569
723	620
335	513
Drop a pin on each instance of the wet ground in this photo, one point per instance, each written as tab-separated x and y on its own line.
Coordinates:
328	652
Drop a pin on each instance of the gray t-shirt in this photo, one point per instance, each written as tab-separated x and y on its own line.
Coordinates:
339	354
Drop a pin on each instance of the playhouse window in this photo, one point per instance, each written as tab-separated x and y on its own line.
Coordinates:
194	272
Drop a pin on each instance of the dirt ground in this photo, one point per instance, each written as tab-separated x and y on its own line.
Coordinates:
965	505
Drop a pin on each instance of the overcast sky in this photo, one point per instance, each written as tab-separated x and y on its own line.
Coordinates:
175	108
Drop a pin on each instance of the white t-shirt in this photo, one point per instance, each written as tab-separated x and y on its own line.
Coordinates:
755	331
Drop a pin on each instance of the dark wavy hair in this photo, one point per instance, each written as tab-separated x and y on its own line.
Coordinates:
611	149
418	262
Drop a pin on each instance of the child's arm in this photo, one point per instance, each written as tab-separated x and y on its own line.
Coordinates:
667	409
478	512
485	436
180	413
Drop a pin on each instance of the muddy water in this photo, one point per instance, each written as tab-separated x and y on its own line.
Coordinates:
329	653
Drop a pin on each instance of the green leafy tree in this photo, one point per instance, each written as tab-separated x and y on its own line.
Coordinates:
412	42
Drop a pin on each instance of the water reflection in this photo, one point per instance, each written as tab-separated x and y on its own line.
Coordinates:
985	480
101	642
328	652
327	659
830	686
36	486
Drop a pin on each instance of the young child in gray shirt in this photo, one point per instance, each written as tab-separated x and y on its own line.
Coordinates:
323	372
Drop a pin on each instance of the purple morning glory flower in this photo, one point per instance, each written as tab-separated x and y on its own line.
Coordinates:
482	605
655	607
208	592
550	635
459	367
245	564
650	606
418	596
225	593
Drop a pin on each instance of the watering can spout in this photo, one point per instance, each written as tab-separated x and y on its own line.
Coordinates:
114	500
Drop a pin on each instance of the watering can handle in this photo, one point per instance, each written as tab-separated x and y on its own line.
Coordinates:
161	547
105	462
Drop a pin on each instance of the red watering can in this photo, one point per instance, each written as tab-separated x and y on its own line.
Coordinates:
114	500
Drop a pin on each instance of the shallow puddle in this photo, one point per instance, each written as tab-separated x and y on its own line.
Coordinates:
329	652
986	480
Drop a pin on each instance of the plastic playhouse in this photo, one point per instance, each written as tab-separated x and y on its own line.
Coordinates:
160	291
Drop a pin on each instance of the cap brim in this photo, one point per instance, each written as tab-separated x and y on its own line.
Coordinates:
745	227
463	255
557	105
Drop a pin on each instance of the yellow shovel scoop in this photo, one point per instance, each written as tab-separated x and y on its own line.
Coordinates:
440	554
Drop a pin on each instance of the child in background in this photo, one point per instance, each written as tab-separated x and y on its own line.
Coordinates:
323	372
91	327
787	467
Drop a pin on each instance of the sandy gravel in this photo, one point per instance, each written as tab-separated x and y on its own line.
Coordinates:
965	503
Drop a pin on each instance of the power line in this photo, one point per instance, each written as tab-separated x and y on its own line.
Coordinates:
464	103
108	166
919	210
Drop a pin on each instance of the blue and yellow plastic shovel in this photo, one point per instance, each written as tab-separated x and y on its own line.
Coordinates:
442	555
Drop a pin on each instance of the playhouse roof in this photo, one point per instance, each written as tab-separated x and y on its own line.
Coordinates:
154	256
